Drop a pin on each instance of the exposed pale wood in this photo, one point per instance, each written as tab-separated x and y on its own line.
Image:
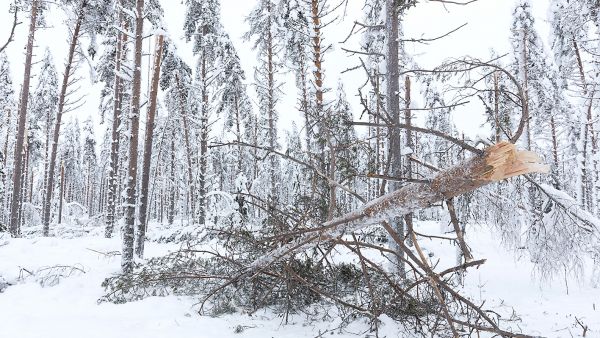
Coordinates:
498	162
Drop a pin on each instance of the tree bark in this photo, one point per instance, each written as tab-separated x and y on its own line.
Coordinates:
143	217
204	134
15	230
188	148
129	226
317	55
466	253
393	107
116	134
497	107
61	106
61	195
322	162
8	125
498	162
272	200
524	61
408	168
171	215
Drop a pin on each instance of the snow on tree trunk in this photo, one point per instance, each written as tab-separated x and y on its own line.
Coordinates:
393	107
61	107
498	162
143	217
130	200
18	159
113	174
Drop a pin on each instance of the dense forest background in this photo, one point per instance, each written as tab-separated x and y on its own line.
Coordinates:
354	127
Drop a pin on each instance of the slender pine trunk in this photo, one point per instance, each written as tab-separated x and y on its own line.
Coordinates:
15	230
130	206
143	217
393	106
113	173
61	106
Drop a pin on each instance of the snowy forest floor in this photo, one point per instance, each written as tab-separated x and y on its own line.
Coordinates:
57	283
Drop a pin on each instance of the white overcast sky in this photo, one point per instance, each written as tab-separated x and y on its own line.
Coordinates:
488	26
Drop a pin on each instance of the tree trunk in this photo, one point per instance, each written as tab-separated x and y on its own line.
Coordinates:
15	230
116	134
204	134
143	217
555	164
101	197
61	105
26	168
23	184
171	215
273	172
188	148
8	124
61	195
497	107
129	226
30	184
332	187
408	168
460	238
498	162
318	61
393	106
524	62
322	160
304	105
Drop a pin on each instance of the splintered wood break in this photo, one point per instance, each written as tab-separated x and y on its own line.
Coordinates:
503	161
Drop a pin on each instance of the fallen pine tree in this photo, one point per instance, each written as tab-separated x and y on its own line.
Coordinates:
496	163
244	273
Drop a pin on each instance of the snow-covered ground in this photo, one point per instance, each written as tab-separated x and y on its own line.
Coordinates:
67	307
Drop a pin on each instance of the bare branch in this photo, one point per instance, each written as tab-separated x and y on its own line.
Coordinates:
12	31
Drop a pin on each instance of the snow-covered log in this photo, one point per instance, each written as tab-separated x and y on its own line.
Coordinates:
497	163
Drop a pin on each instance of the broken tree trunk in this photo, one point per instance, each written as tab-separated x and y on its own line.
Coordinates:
497	163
